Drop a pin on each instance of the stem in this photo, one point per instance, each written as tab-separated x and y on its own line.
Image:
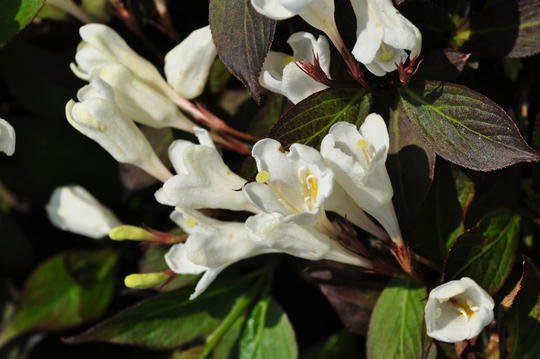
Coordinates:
71	8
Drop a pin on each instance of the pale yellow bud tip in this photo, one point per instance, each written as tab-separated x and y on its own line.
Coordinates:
130	233
262	177
145	280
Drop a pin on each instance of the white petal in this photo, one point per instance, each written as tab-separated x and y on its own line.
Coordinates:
320	15
142	103
98	117
398	31
296	5
270	231
208	277
272	72
111	46
262	198
297	85
187	66
74	209
369	32
203	180
272	9
179	263
7	138
375	129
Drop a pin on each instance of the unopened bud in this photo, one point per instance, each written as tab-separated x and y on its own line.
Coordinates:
130	233
146	280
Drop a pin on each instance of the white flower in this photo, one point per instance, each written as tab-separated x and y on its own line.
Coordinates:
140	102
458	310
212	245
7	138
97	116
203	180
294	184
72	208
281	74
383	36
271	232
358	158
317	13
102	46
187	66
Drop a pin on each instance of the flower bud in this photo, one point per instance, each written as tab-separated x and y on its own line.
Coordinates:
74	209
146	280
130	233
187	66
7	138
142	103
458	310
97	116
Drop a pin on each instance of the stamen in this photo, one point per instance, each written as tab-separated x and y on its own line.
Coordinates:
364	146
463	307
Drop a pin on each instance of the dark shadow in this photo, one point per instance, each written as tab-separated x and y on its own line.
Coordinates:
8	27
495	30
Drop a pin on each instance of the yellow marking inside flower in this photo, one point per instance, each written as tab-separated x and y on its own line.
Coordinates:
463	307
84	117
364	146
262	177
313	186
385	54
190	222
288	59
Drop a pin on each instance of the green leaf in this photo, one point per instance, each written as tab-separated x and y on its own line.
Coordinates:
522	321
243	38
511	28
219	76
15	15
67	290
268	333
341	345
396	328
170	319
465	127
486	253
309	121
411	166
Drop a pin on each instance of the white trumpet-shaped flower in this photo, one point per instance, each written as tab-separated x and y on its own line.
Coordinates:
294	184
203	180
98	117
458	310
212	245
317	13
358	158
74	209
141	102
102	46
383	36
7	138
270	231
187	66
281	74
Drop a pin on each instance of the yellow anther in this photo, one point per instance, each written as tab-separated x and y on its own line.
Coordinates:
262	177
314	188
463	307
288	59
362	144
190	222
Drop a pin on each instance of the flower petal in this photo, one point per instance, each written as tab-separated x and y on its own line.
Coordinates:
272	9
187	66
7	138
369	32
